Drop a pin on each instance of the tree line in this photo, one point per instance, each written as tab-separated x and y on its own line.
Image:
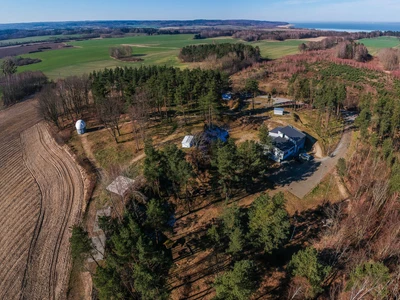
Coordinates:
17	86
143	93
345	48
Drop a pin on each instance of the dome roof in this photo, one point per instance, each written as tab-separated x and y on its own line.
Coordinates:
80	124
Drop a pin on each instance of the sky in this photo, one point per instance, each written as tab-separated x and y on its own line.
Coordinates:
16	11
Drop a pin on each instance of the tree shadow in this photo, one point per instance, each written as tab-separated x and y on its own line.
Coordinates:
293	172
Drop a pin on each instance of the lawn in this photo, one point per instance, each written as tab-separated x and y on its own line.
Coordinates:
375	44
93	54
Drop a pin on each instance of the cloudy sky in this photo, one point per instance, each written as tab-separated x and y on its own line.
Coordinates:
273	10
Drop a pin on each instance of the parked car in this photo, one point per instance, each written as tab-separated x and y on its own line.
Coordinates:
305	157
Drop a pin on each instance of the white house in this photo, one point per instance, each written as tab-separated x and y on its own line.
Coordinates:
279	111
188	141
80	126
287	142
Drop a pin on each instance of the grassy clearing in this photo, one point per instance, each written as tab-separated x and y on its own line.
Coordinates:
375	44
276	49
93	54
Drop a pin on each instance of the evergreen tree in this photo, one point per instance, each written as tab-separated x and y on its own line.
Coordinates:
225	161
81	245
305	264
153	166
252	87
178	170
268	222
237	284
252	162
369	279
157	216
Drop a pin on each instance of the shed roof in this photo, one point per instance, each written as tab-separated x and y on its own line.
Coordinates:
188	139
279	109
120	185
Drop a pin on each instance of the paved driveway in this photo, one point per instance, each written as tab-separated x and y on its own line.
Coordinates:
300	178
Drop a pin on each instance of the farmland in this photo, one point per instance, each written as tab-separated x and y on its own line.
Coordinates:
41	191
375	44
90	55
35	39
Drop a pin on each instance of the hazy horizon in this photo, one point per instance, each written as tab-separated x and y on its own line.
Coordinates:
26	11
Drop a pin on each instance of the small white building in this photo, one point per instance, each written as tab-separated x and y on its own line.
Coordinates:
188	141
80	126
279	111
121	185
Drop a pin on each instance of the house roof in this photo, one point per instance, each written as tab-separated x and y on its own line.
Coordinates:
279	109
289	131
120	185
282	143
188	139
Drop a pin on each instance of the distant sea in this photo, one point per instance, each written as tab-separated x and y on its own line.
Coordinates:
349	26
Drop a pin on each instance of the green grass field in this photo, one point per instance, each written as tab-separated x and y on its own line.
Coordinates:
33	39
376	44
90	55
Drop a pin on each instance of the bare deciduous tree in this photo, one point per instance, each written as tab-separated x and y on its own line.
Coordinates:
50	106
109	111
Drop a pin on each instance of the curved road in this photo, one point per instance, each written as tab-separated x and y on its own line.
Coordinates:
302	178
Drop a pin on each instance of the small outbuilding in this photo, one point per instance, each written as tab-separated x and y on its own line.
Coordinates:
80	126
279	111
121	185
188	141
227	96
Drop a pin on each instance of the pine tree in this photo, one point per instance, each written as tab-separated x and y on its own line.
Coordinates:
237	284
305	264
268	222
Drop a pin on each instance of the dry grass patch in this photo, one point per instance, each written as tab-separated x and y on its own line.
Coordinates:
326	191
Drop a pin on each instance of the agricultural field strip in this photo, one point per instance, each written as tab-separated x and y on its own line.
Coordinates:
62	192
19	199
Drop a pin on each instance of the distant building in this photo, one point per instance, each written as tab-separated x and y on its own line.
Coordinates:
279	111
188	141
121	185
287	142
80	126
227	96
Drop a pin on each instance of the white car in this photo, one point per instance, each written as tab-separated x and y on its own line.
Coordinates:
305	157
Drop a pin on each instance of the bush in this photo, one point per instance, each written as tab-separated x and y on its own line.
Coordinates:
341	167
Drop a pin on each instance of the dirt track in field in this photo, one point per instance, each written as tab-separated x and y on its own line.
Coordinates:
41	194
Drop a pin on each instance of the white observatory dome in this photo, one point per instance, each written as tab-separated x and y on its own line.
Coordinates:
80	124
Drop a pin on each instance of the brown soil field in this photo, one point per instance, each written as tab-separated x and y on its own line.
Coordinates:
25	49
41	191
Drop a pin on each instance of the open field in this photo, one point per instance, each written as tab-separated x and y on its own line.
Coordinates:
26	49
41	190
90	55
375	44
276	49
34	39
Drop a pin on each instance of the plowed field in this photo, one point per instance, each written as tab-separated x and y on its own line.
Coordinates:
41	191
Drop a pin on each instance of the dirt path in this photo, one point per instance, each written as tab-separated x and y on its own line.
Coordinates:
62	189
